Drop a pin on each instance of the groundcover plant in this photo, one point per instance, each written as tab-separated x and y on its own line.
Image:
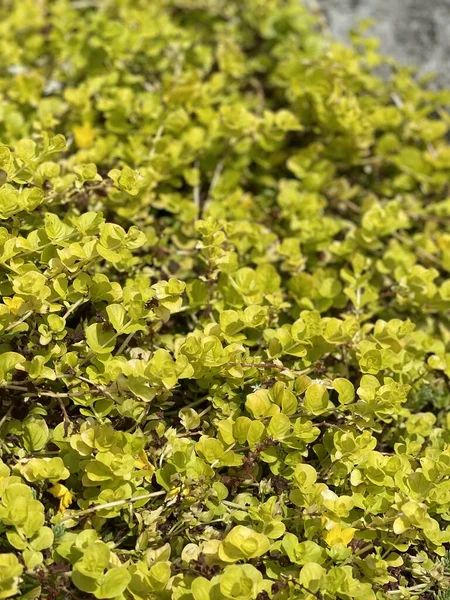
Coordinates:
225	284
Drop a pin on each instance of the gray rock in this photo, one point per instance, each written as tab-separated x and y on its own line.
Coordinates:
415	32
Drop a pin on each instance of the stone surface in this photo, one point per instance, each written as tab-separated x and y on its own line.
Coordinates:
416	32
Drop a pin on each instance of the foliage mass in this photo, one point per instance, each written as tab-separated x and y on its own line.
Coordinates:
224	280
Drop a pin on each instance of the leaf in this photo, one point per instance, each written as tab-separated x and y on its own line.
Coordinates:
337	535
30	284
26	149
311	576
64	494
279	427
83	582
240	581
32	559
116	315
55	228
94	561
16	540
84	135
305	475
345	390
201	589
189	418
159	575
100	341
97	471
210	448
127	180
10	566
43	540
316	399
243	542
241	429
35	434
259	405
255	433
284	398
9	361
371	362
113	583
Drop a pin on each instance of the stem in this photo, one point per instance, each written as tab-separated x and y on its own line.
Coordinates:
74	307
420	251
215	178
19	321
88	511
366	548
156	139
39	393
196	191
6	415
92	354
66	418
235	505
263	366
274	366
191	405
205	411
19	388
100	388
125	343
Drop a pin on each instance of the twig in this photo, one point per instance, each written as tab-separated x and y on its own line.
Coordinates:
67	421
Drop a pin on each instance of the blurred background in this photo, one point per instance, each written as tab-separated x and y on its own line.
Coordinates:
416	32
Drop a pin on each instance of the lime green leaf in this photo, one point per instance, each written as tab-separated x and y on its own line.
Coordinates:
316	399
99	340
113	583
